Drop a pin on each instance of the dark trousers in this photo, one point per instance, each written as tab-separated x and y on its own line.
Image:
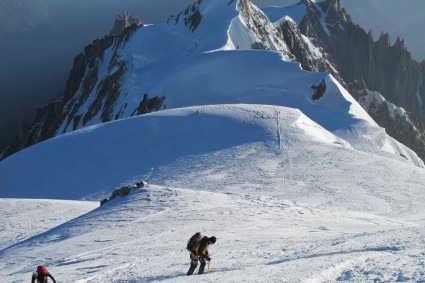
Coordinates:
194	263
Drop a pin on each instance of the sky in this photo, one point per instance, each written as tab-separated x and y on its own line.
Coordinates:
37	53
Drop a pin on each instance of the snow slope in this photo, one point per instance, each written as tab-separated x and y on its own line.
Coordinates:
287	200
153	147
24	218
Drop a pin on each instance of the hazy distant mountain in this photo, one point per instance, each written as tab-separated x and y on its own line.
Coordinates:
396	17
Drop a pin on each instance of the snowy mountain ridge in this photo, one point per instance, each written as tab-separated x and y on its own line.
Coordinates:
157	67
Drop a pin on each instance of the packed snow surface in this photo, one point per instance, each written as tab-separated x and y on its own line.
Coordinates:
23	218
287	200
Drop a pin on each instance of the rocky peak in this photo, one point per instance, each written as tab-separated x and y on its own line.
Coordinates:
399	43
124	21
191	16
384	40
322	17
305	50
244	7
265	33
336	16
311	24
311	7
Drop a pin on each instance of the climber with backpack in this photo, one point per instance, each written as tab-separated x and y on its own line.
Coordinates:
198	248
41	274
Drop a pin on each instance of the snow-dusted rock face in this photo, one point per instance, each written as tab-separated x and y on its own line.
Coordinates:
394	119
85	95
257	26
306	50
351	55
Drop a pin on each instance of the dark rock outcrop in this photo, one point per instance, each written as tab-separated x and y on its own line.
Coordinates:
124	191
192	17
396	123
149	104
319	90
124	21
298	46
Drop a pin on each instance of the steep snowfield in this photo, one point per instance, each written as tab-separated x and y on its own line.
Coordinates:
154	147
163	148
23	218
287	200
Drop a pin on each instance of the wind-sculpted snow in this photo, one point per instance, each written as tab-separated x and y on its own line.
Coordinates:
273	149
103	157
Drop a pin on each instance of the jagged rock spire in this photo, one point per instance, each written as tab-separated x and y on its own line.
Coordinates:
124	21
384	39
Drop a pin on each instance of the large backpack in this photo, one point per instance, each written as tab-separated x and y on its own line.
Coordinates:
194	241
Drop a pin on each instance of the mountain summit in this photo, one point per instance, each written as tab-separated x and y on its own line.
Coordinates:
124	21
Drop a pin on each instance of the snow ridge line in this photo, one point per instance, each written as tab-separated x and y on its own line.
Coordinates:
282	152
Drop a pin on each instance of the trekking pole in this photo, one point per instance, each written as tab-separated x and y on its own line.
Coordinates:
208	266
